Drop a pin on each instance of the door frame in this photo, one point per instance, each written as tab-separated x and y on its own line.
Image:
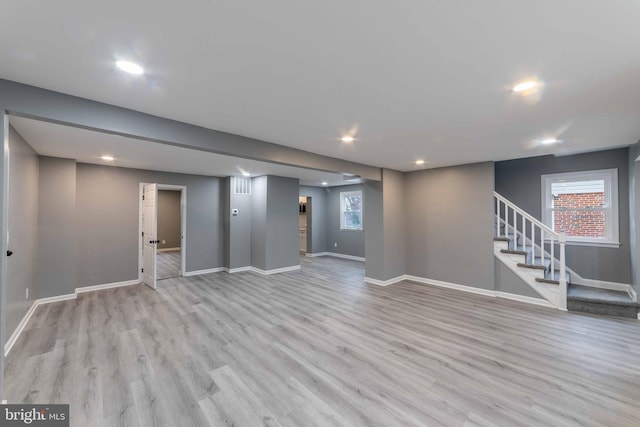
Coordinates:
183	224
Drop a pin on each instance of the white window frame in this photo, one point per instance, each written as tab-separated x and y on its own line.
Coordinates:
612	226
344	194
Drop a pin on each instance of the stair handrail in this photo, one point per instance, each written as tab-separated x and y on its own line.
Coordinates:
515	207
544	229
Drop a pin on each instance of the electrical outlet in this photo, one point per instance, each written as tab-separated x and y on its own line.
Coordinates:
335	244
26	296
164	242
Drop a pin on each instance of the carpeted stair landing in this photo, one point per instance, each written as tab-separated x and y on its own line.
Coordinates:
601	301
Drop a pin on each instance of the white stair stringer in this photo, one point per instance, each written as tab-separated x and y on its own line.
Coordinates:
528	275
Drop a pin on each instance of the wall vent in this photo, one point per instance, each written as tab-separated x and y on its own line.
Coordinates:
242	185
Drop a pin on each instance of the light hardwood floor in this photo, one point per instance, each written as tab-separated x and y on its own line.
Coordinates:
319	347
168	264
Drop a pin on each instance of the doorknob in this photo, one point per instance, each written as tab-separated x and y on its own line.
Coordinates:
9	253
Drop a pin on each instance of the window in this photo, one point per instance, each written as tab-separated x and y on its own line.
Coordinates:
584	205
351	210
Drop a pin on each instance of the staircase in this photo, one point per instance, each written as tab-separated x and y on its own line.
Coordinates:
536	254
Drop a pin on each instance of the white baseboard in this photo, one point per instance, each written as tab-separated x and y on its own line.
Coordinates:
23	323
57	298
106	286
522	298
384	282
450	285
169	249
463	288
275	270
237	269
309	254
206	271
601	284
336	255
16	333
351	257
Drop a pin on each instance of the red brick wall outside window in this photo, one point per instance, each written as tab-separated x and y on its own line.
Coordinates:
577	220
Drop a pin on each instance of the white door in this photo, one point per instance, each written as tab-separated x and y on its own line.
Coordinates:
150	229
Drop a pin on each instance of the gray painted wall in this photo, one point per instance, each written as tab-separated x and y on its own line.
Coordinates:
634	211
374	222
519	181
274	222
394	201
282	222
107	212
23	231
507	281
449	223
57	244
317	227
169	224
238	231
350	242
259	222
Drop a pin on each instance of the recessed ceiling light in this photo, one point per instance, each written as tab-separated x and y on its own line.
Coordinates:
325	183
130	67
420	162
107	158
246	174
347	138
525	86
550	141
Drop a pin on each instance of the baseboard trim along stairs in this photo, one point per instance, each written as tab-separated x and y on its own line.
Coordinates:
458	287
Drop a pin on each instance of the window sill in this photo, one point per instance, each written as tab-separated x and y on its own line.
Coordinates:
592	243
352	229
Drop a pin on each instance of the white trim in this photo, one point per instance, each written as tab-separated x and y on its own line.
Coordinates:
237	269
206	271
336	255
384	282
169	249
522	298
610	209
450	285
309	254
5	225
275	270
57	298
16	333
344	194
351	257
183	225
25	320
463	288
601	284
596	243
106	286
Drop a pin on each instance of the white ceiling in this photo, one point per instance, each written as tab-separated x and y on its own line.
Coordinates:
87	146
417	78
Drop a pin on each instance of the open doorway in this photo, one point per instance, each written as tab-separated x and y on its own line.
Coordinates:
162	232
169	234
304	224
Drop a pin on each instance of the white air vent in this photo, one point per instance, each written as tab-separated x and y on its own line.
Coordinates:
242	185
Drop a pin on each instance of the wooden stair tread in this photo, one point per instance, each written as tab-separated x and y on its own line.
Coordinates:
533	266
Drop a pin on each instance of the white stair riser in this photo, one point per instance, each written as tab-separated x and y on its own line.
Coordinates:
528	275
